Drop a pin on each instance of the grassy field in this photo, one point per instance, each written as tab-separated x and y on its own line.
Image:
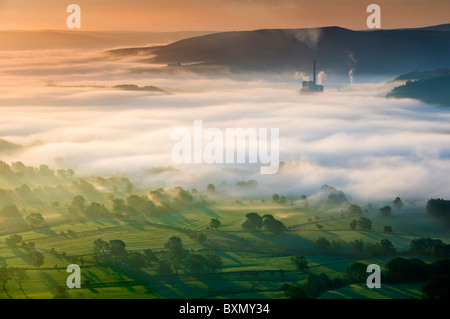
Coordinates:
255	264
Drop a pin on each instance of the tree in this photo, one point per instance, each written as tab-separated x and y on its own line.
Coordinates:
210	188
213	262
214	223
316	284
184	198
398	203
354	210
35	220
163	268
175	251
319	226
61	293
437	287
10	212
387	248
300	262
96	210
387	229
253	222
305	201
295	292
385	211
426	246
201	238
136	260
150	256
5	276
353	224
196	263
76	207
100	248
13	240
440	209
356	272
275	198
358	246
37	257
336	246
364	223
272	225
402	269
324	245
19	275
117	249
383	248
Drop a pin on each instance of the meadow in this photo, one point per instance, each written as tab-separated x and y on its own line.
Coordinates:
254	264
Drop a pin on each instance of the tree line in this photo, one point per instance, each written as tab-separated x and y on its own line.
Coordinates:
254	222
166	262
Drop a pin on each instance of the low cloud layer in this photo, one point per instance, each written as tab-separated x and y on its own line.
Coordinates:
350	137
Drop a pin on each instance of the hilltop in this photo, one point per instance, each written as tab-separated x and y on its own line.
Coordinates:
429	86
279	50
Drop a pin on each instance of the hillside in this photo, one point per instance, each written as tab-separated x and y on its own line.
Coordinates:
337	50
430	87
79	216
63	39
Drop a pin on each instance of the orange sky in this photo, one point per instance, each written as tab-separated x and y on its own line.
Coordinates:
219	15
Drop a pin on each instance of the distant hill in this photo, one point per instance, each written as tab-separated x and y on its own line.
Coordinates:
65	39
133	87
430	86
337	50
422	75
6	146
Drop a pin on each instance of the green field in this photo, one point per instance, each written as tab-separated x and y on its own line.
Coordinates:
255	264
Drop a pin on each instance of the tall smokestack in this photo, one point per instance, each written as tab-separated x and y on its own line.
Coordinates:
314	78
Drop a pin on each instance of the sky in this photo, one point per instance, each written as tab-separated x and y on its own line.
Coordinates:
219	15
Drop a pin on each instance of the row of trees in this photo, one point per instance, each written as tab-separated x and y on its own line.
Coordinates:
419	247
315	285
10	214
397	270
18	274
435	275
382	248
133	205
385	211
429	247
362	223
440	209
19	169
254	222
114	252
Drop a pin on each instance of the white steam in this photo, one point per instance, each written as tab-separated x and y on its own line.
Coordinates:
350	75
309	37
321	76
301	75
352	63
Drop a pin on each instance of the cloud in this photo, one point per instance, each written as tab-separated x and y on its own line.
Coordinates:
350	137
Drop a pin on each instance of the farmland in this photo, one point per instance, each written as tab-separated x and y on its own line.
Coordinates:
254	264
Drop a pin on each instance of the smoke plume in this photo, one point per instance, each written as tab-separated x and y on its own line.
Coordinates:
309	37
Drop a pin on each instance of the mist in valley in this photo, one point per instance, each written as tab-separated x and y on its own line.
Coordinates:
59	107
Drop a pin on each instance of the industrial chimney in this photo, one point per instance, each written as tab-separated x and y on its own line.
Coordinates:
311	86
314	77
